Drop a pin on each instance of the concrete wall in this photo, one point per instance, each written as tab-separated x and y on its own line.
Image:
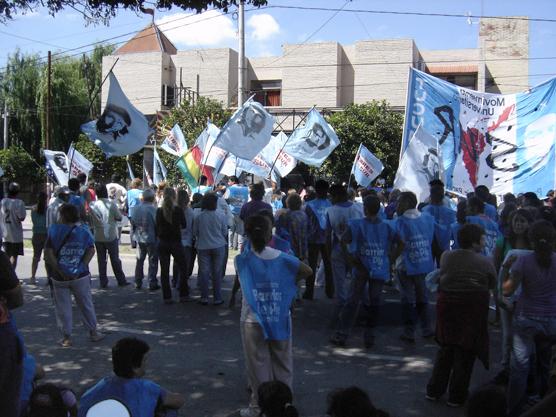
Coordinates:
347	75
264	68
381	68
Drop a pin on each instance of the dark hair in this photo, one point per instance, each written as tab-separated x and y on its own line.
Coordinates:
371	204
196	199
293	201
482	192
101	191
352	402
436	193
233	179
116	178
406	201
338	192
256	229
257	191
268	214
468	234
183	198
436	182
531	199
74	184
203	180
275	400
46	400
209	202
68	213
487	401
82	178
321	187
127	355
476	205
541	236
13	189
41	203
512	237
508	209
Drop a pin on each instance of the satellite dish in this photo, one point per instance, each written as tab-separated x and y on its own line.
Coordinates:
108	408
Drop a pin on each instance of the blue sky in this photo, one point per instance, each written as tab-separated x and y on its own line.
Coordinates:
267	29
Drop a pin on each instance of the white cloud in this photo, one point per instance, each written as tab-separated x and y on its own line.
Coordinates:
263	26
211	28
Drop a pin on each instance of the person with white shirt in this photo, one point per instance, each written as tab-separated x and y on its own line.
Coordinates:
12	214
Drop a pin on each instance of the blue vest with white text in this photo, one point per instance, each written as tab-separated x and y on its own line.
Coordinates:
417	236
444	217
491	232
238	196
371	243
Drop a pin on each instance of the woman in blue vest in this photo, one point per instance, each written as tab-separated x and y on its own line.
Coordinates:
268	282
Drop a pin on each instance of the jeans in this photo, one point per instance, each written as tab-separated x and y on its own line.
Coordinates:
188	253
236	234
452	365
314	250
210	268
340	270
415	303
531	334
174	249
113	251
506	318
348	313
142	251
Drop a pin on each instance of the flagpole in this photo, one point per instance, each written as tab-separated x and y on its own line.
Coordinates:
353	166
285	143
93	97
71	160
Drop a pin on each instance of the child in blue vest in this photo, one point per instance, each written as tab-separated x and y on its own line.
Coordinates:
141	396
370	242
415	231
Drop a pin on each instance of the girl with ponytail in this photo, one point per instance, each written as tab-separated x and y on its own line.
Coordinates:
535	315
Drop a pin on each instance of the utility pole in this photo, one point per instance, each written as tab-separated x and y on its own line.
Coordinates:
241	58
48	100
6	115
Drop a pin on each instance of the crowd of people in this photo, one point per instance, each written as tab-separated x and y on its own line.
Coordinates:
467	252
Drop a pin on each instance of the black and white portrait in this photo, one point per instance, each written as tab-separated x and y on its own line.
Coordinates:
114	120
252	121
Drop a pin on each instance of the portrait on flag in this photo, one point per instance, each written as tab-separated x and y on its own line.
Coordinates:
121	129
175	143
504	141
59	165
313	142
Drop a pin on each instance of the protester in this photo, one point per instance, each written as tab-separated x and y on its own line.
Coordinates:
169	222
415	230
275	400
38	218
352	402
60	196
236	196
76	199
534	324
256	204
265	332
316	214
186	236
32	372
117	193
476	215
142	397
461	215
211	231
466	276
69	250
144	233
482	192
104	219
294	222
12	214
134	196
49	400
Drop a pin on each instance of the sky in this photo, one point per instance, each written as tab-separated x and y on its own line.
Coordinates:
267	29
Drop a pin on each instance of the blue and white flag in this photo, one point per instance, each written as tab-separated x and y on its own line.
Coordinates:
130	171
59	166
175	143
420	164
313	142
78	163
213	156
247	132
159	170
366	166
121	129
506	142
274	154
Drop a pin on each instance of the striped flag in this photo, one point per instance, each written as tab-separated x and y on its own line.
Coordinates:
190	167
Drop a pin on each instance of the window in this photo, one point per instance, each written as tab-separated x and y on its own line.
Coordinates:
168	96
268	93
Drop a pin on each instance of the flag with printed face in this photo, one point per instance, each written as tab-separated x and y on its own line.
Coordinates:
175	143
159	170
58	162
274	154
247	132
121	129
366	166
78	163
420	164
313	142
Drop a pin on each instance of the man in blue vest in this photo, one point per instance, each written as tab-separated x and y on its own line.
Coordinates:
316	213
142	397
236	196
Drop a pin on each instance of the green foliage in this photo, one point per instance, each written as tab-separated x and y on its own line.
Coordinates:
372	124
19	165
192	118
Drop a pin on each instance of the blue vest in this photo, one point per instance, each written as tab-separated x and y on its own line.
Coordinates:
371	243
491	232
70	256
318	206
417	236
238	196
201	189
491	212
268	286
454	229
139	395
444	217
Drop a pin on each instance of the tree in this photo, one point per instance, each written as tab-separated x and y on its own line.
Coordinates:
372	124
96	11
19	165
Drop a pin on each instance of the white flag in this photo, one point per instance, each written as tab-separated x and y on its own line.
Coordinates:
130	171
159	170
420	164
121	129
274	154
366	166
247	132
59	164
175	143
78	163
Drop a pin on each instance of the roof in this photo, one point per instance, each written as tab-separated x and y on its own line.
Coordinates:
453	69
150	39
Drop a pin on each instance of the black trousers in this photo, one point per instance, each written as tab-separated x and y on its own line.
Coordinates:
176	250
453	365
314	250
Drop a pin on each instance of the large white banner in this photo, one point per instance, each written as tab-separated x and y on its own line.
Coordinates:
79	164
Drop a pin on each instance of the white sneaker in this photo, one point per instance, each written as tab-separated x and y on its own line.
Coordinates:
250	412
